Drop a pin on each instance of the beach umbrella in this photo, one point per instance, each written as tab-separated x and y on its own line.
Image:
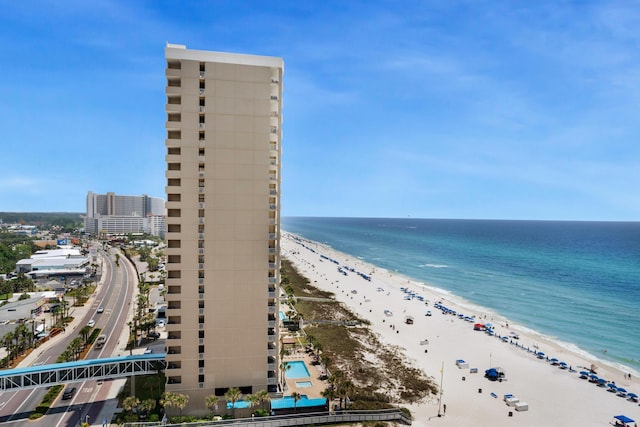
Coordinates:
612	386
602	381
621	390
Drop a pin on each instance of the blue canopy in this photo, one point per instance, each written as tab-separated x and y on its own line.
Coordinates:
623	418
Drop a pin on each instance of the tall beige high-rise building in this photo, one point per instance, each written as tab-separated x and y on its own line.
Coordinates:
223	222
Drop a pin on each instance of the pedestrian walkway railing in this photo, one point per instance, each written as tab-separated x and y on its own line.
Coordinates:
82	370
315	418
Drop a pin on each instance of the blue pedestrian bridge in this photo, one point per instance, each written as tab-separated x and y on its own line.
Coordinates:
82	370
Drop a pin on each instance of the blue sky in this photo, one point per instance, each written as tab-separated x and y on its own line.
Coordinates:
433	109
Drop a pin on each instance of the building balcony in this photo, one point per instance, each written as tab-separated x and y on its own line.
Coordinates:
273	280
271	352
174	380
272	309
173	90
272	381
172	72
271	295
201	236
271	366
202	74
272	323
202	109
173	108
201	92
200	251
201	175
271	338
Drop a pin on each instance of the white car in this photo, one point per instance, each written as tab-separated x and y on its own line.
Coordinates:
160	323
100	309
91	323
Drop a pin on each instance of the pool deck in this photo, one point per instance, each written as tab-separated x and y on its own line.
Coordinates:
315	371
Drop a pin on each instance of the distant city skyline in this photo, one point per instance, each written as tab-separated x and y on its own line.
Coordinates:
431	109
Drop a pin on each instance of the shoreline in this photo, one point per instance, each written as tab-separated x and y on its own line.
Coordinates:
452	338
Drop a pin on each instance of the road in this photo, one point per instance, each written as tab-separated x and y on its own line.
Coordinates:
116	294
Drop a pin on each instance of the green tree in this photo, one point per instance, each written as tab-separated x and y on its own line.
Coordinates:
181	401
211	402
233	395
263	397
130	403
147	405
295	396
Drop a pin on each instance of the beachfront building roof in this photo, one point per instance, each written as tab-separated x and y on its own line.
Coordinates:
223	131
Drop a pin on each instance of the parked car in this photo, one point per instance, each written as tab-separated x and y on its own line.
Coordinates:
68	393
153	335
160	323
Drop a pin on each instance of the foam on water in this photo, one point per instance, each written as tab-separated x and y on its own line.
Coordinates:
573	282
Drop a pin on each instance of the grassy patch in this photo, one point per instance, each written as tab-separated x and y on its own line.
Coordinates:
382	374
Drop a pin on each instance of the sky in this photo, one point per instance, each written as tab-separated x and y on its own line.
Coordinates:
431	109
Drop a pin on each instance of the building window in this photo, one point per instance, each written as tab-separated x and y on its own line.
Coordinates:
173	228
173	244
201	378
173	213
173	150
173	197
173	182
201	135
200	363
174	134
173	166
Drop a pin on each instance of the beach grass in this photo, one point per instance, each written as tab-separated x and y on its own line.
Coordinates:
381	373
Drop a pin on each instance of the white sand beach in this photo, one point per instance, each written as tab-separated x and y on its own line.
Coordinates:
554	396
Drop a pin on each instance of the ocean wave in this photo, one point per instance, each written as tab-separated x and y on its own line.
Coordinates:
434	265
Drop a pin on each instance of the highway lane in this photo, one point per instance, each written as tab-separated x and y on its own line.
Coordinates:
116	296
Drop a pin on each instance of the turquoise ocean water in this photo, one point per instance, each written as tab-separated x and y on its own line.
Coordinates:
576	282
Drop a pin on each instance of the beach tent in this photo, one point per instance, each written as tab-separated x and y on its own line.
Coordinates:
621	420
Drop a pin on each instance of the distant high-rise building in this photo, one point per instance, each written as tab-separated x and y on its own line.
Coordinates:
223	222
115	214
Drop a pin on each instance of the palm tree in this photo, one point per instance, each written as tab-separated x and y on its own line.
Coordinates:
330	394
263	396
130	403
295	396
153	382
181	401
75	346
211	402
251	399
284	367
85	331
167	400
147	405
9	342
345	388
67	355
233	395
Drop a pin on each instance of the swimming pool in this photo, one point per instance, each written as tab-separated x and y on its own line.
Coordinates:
296	369
288	402
304	384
